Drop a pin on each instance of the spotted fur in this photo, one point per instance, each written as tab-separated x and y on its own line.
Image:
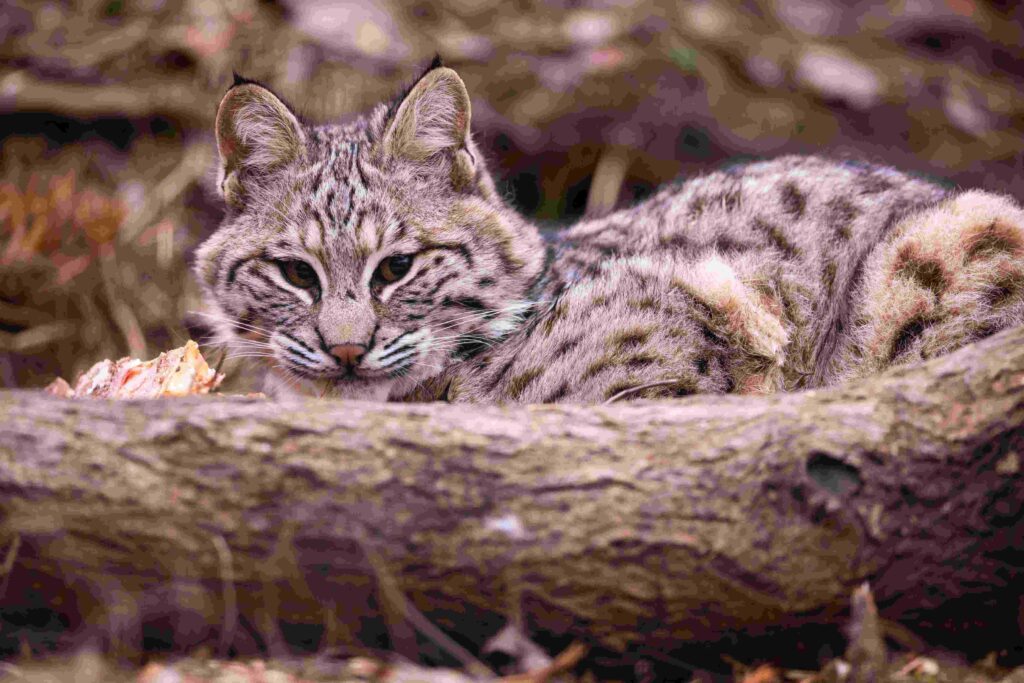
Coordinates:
793	273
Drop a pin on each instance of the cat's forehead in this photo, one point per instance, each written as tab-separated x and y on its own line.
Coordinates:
338	203
330	141
346	205
335	154
335	177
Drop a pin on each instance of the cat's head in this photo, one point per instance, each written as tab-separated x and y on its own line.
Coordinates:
361	259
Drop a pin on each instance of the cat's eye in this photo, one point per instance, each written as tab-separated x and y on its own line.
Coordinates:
394	268
299	273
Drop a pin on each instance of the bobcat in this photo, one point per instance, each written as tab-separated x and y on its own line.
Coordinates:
376	260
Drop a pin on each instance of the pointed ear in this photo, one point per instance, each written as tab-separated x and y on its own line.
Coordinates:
432	118
256	133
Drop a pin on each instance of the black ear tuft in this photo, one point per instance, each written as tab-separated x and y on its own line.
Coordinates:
242	80
436	63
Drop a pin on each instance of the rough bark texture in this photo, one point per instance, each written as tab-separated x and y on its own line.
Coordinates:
644	528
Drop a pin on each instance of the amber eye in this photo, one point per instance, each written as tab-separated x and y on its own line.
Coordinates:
299	273
394	268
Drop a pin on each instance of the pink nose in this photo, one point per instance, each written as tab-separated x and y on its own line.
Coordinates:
348	354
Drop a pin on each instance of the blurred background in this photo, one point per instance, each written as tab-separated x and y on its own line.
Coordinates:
107	156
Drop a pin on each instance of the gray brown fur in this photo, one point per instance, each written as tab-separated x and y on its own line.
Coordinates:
793	273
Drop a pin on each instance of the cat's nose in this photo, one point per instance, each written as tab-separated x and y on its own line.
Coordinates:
348	354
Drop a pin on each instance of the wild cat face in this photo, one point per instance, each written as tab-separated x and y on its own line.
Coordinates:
362	259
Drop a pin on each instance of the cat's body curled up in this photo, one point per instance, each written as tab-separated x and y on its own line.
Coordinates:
376	260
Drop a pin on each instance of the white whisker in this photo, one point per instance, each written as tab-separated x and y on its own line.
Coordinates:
518	308
233	323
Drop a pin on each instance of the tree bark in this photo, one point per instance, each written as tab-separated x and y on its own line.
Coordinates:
644	528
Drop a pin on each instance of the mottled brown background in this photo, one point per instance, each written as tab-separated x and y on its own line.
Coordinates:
106	109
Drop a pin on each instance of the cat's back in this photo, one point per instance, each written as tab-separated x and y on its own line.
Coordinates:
799	207
760	277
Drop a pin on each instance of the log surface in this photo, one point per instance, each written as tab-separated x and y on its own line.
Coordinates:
641	526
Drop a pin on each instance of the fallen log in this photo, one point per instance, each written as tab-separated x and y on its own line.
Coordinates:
658	528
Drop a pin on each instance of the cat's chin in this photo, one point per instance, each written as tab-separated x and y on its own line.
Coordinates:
285	386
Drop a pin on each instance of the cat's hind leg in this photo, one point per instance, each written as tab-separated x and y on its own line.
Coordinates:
946	276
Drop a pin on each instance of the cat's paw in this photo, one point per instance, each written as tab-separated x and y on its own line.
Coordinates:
738	311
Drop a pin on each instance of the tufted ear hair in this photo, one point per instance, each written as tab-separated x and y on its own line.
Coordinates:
430	126
256	133
433	117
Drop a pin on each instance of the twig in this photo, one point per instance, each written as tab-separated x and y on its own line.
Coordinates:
109	45
220	361
562	663
633	390
391	593
36	338
88	100
195	160
8	565
227	578
23	315
607	181
124	318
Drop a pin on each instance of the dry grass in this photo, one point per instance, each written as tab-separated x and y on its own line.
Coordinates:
74	288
